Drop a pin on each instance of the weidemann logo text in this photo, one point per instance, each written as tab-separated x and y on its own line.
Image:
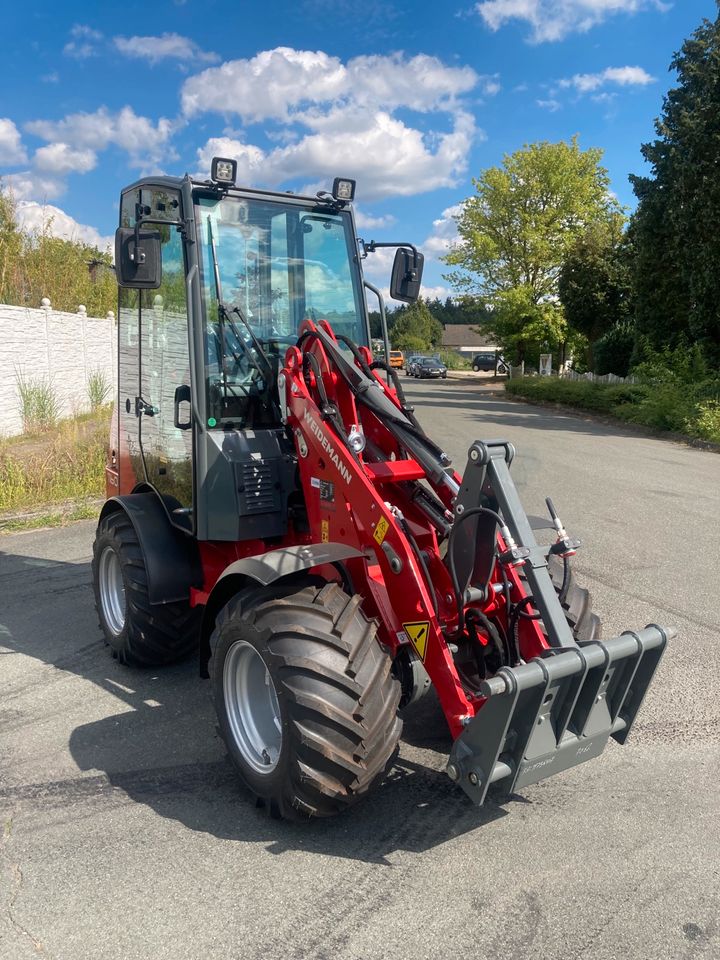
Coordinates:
327	446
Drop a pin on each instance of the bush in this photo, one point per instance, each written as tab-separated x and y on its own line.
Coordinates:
691	409
454	361
612	352
705	424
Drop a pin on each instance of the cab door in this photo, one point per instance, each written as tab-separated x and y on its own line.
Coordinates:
156	398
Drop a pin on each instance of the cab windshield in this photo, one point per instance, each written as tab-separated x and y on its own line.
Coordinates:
277	264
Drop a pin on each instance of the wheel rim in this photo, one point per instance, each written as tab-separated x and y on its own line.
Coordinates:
252	707
112	590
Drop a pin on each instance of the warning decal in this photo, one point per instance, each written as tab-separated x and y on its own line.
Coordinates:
418	633
381	529
325	531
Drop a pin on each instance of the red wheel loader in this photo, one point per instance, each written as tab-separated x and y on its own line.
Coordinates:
275	507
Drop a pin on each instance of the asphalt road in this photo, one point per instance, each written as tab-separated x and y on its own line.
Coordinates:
124	834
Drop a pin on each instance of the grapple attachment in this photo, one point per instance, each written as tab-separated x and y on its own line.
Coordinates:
555	712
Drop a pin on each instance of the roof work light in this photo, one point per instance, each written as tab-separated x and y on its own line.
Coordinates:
223	171
343	189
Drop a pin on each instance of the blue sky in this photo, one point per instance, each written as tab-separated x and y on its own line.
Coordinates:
413	99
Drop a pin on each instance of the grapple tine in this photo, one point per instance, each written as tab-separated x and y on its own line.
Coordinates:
553	713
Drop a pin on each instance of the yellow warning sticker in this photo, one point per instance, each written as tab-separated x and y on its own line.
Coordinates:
418	633
381	529
325	531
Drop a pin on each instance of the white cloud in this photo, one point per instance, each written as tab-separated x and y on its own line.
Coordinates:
365	221
28	184
444	233
36	217
250	159
555	19
145	141
84	42
276	83
340	119
551	104
438	292
385	156
620	76
12	151
60	159
168	46
266	86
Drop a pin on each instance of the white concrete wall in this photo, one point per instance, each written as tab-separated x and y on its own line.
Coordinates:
64	349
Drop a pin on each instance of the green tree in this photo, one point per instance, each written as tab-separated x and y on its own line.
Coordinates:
676	223
523	326
33	266
11	247
595	283
515	233
415	328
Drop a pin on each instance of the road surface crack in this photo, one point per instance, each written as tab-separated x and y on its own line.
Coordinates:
15	871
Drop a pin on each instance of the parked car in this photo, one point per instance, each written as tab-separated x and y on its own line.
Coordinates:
484	361
429	367
397	358
410	364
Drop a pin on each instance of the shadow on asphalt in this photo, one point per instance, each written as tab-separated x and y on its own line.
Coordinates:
163	750
494	409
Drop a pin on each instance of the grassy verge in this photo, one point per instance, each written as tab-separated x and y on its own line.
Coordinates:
64	465
50	517
692	410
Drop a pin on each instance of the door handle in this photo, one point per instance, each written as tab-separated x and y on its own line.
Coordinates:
182	395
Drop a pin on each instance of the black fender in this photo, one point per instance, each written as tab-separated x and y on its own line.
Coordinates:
261	571
171	558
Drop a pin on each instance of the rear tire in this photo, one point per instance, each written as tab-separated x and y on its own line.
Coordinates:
305	698
137	632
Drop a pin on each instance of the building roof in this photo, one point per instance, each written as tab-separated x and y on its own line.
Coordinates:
464	335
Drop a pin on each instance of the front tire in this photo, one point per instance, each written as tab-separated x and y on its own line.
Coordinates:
576	603
305	698
137	632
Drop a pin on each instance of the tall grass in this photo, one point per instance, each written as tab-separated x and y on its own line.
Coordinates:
99	388
39	404
70	466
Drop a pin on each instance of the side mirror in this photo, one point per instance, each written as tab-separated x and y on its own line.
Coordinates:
406	275
138	259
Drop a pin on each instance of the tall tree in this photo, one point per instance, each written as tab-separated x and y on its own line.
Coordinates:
415	328
515	232
595	283
676	223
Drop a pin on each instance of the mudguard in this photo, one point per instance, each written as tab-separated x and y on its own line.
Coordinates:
171	558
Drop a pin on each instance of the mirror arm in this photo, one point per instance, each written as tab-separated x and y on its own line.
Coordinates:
383	322
375	244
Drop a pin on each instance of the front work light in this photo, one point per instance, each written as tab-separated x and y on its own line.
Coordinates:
223	171
343	189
